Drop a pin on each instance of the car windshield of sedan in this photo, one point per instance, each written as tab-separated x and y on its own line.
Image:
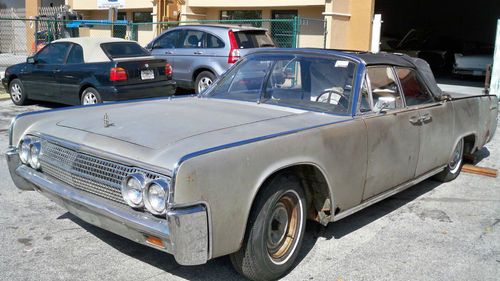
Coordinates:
302	81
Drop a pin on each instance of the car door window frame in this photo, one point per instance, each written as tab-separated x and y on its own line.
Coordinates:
217	37
366	80
176	45
203	39
421	82
74	45
50	46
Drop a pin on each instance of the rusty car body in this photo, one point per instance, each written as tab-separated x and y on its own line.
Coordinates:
322	133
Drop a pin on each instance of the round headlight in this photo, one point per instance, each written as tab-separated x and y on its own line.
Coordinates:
34	155
156	196
132	190
24	150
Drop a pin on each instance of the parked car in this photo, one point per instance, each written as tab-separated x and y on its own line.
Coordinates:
201	53
89	70
471	64
284	135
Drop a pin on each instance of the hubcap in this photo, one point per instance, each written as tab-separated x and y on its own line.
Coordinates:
89	98
284	227
456	158
16	92
204	83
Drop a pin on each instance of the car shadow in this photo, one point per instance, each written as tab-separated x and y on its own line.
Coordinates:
221	268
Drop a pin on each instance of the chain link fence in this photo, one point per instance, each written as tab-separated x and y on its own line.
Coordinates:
20	37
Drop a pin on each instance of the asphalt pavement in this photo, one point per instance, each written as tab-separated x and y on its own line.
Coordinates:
432	231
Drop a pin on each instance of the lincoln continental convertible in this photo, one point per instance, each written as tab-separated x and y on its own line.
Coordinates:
284	137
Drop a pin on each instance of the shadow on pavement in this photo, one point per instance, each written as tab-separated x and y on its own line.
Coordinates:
221	268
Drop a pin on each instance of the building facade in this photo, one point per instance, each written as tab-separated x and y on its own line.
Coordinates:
339	24
348	22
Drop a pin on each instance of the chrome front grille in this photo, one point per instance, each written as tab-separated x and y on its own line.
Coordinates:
85	172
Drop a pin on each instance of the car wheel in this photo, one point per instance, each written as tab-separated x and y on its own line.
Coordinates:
275	231
454	167
90	96
17	93
203	81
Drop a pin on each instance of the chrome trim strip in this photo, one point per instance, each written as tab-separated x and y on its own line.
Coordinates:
389	193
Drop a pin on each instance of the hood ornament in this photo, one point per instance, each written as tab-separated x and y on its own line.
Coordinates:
107	122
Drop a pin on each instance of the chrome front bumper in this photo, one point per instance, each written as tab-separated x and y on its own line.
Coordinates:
184	231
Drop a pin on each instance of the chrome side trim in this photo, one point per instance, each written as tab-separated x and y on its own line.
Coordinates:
386	194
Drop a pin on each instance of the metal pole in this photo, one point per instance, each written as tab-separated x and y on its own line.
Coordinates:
295	31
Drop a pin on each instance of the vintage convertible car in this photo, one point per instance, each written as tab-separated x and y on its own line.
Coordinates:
284	136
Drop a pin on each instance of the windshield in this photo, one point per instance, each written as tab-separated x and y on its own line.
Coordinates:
314	83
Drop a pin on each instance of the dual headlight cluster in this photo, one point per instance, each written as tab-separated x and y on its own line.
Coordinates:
30	149
139	192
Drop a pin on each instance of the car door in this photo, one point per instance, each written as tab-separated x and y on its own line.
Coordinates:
166	47
436	121
41	80
189	55
393	133
70	77
38	75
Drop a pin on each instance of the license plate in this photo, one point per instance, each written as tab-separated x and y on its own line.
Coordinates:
147	74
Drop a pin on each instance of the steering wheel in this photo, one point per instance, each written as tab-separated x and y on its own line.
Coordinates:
344	100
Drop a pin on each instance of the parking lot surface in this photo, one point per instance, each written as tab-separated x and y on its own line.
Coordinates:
431	231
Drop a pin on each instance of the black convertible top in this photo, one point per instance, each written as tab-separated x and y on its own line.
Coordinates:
381	58
405	61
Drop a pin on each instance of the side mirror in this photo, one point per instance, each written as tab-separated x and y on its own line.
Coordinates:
384	103
445	97
154	45
31	60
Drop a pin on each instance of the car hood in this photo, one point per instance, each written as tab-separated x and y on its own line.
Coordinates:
159	133
159	124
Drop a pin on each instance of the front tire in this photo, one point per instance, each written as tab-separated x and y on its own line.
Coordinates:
454	167
275	231
90	96
203	81
17	92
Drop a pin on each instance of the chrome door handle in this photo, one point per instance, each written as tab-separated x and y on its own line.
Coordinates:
168	53
198	53
415	120
426	117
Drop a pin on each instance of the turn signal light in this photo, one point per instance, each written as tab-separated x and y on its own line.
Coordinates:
117	74
155	241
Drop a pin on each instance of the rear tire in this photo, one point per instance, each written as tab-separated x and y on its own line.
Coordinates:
454	167
90	96
17	92
203	81
275	231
